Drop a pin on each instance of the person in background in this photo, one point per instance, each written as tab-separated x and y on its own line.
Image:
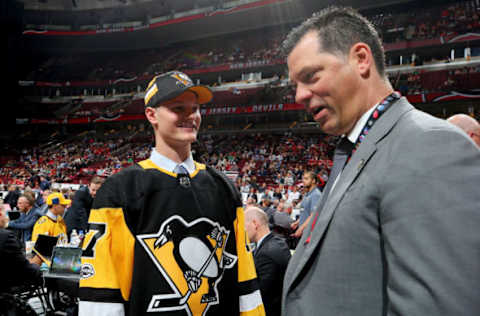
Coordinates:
44	183
468	124
29	215
52	223
310	200
271	255
16	269
77	214
43	206
12	196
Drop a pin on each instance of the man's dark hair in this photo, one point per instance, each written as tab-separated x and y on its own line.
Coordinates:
97	180
312	175
266	202
338	29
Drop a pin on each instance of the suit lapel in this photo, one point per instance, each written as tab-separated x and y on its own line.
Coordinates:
352	170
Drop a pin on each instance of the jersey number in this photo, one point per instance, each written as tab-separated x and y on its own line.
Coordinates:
99	231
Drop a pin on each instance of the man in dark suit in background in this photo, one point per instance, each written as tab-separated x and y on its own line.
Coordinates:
16	268
396	230
77	215
271	256
12	196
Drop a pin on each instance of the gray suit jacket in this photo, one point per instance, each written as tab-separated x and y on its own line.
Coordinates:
399	233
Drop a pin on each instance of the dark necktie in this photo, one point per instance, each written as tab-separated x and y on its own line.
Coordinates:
340	159
182	176
179	169
254	252
341	155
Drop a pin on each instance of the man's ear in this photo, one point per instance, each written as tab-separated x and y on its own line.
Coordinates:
362	58
150	114
255	223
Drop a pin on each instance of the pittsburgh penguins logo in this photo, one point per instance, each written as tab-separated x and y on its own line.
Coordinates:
182	79
192	258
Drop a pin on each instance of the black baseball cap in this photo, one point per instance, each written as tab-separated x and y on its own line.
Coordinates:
170	85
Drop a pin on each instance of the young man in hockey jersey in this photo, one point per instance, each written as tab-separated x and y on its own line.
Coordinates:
52	223
166	236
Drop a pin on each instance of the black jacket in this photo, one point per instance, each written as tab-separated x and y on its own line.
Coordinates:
16	268
271	260
12	198
77	214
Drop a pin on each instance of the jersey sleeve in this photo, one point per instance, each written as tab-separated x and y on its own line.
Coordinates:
250	300
107	259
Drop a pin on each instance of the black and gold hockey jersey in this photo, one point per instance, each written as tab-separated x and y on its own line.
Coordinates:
166	244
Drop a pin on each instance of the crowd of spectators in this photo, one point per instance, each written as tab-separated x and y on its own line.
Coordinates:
261	164
75	159
416	24
418	82
426	21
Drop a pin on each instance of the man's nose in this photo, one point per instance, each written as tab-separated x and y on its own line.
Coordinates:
302	94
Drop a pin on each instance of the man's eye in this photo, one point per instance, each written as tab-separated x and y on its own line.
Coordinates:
309	77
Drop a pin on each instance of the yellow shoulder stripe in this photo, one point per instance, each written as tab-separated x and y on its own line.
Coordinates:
149	164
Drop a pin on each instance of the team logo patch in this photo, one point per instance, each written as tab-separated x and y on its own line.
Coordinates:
87	271
41	220
182	79
192	258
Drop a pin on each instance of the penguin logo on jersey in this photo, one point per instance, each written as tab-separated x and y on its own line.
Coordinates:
192	259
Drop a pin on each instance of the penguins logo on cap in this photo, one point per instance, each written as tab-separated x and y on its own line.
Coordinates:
182	79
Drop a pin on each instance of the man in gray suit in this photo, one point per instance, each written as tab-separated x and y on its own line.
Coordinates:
396	233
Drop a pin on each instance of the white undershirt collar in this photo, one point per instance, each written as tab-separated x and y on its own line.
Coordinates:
51	215
169	165
357	129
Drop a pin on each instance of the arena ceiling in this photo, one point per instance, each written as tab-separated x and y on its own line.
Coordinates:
277	14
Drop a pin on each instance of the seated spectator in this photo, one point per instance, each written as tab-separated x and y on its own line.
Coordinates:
12	196
17	269
52	223
42	205
278	194
253	194
29	215
44	183
468	124
271	256
293	194
266	207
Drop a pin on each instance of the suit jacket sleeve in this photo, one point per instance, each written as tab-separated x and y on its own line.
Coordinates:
14	260
25	223
429	217
77	215
84	204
